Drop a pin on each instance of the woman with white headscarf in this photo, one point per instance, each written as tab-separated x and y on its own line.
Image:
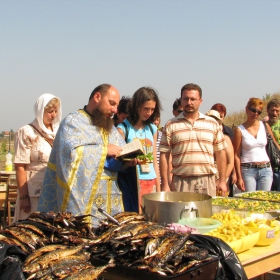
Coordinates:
33	144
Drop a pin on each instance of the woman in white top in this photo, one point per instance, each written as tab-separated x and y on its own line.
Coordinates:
251	161
33	144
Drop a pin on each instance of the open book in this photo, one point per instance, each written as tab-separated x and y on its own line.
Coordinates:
131	150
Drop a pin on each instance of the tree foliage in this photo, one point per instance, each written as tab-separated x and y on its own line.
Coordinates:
3	148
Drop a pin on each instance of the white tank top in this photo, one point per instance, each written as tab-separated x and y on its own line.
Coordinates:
253	149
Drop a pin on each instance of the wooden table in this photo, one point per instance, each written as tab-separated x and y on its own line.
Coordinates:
2	193
259	260
3	187
7	173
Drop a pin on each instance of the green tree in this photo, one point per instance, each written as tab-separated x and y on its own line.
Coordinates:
3	148
12	134
267	97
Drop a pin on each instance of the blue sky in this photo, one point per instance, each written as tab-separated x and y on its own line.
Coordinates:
67	48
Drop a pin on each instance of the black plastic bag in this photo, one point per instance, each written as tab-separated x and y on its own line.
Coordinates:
230	267
11	258
271	148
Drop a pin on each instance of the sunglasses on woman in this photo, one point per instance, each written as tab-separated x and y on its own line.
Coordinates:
255	111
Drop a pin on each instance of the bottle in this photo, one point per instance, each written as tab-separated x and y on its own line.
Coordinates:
9	163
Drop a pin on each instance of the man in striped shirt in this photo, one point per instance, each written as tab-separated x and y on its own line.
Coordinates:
193	139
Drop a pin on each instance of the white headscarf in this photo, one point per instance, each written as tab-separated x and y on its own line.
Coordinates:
39	108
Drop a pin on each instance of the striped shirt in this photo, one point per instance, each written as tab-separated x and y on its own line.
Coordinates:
192	146
159	134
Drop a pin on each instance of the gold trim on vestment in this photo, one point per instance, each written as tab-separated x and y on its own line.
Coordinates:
72	177
109	191
83	113
61	183
104	136
113	178
52	166
109	202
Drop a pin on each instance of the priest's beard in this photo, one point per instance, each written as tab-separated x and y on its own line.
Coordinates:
101	120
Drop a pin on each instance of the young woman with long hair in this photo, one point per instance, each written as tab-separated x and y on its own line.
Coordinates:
144	109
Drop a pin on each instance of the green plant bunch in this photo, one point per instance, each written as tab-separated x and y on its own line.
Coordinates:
146	157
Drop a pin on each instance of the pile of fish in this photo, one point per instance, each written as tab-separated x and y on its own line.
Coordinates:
41	229
61	262
139	244
55	245
64	246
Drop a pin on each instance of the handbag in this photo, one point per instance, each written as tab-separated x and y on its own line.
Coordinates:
272	150
48	140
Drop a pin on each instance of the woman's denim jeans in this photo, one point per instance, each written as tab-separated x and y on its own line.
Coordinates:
257	179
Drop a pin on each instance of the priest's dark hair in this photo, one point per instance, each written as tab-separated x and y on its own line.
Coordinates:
102	89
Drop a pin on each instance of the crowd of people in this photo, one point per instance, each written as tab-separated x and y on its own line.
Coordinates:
71	165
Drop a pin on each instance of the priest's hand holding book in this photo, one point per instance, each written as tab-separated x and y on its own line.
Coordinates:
134	151
113	150
113	164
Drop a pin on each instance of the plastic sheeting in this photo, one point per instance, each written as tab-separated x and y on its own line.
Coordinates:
11	258
230	267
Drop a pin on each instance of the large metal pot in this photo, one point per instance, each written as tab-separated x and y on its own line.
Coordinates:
170	207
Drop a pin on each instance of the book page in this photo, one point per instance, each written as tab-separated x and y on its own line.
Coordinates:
134	147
